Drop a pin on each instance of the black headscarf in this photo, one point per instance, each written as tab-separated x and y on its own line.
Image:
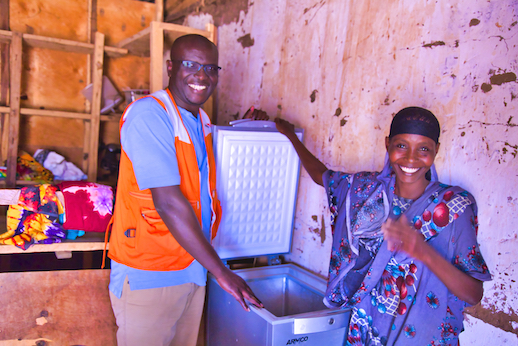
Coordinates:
415	120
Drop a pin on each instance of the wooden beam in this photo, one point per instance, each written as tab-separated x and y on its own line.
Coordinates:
86	144
4	52
14	115
38	41
5	36
97	81
91	30
139	44
115	117
156	57
4	77
56	114
159	10
213	33
211	106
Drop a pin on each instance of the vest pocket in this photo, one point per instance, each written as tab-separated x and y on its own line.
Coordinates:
153	236
154	220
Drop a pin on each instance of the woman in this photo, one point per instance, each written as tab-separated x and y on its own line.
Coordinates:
405	257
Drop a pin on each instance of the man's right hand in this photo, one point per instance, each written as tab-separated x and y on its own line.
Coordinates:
237	287
179	217
256	114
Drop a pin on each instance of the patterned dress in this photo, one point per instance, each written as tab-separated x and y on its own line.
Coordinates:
393	298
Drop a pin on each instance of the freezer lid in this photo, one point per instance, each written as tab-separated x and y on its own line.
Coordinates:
257	172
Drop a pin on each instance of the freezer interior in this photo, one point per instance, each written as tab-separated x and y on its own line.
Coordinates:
293	311
283	295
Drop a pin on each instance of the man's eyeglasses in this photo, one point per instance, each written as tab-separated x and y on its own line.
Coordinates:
193	67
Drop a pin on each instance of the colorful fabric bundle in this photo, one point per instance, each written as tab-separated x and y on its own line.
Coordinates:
88	206
34	219
28	168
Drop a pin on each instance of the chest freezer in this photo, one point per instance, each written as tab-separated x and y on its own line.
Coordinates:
258	172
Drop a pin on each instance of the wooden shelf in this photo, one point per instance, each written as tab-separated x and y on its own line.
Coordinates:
62	114
61	44
91	241
139	44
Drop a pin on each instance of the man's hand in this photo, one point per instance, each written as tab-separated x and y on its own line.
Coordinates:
255	114
238	288
179	217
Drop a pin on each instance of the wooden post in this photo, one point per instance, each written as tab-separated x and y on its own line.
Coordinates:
14	115
211	106
156	57
91	30
95	120
211	28
4	77
159	10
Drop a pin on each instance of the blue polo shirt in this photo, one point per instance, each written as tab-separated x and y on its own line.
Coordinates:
147	137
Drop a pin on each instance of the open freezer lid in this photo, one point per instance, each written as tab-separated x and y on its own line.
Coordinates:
258	171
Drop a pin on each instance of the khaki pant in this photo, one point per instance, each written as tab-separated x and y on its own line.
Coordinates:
168	316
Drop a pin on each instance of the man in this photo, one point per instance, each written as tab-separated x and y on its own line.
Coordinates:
166	209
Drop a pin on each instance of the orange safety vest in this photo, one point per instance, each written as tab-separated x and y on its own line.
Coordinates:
139	237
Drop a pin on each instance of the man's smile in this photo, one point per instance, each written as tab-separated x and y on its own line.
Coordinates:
198	87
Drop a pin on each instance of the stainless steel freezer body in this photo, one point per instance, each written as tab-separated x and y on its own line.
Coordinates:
258	172
293	311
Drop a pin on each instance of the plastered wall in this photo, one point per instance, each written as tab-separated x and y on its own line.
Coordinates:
341	69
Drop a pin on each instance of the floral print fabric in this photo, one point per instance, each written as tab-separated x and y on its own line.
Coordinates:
394	299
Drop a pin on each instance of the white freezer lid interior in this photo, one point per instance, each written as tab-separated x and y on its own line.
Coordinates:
257	170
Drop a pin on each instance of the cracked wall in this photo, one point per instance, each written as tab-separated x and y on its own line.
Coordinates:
342	69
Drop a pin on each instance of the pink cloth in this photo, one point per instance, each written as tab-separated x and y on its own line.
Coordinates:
88	206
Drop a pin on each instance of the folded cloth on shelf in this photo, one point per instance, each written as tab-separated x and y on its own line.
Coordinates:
88	206
62	169
34	219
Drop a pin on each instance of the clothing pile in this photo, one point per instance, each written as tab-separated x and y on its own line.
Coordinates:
27	168
48	214
56	163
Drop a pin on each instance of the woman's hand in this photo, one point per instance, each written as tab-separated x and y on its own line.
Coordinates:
256	114
313	166
284	127
401	236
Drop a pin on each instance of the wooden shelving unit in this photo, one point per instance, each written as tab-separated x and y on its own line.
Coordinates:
92	120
